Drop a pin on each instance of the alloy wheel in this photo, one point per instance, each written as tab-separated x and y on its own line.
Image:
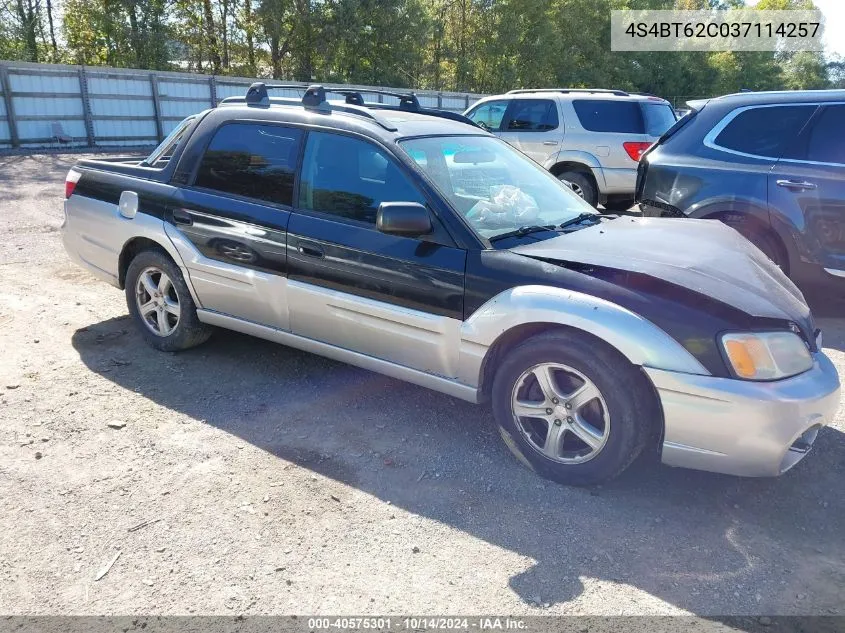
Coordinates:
158	301
561	413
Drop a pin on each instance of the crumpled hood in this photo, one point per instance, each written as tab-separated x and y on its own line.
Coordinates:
705	256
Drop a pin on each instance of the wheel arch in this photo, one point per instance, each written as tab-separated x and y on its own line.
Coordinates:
130	249
515	336
517	313
584	168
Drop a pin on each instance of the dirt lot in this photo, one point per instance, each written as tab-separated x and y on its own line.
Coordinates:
274	481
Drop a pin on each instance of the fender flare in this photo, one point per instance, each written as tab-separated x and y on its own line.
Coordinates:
585	159
636	338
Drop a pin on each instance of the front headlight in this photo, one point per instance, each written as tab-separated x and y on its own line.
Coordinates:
766	355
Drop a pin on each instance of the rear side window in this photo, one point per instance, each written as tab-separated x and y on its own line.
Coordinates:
605	115
824	143
533	115
489	115
163	153
256	161
349	177
764	131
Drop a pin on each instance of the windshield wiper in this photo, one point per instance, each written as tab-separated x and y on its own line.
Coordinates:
524	230
581	217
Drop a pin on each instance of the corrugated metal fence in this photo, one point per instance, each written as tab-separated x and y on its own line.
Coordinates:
46	105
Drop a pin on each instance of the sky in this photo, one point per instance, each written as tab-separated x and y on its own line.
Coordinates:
834	13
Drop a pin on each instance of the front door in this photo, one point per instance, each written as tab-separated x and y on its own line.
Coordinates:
395	298
230	225
533	127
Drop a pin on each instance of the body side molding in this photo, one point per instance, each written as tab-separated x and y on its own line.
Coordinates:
394	370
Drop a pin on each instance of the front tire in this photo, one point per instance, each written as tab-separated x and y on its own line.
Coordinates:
161	305
570	409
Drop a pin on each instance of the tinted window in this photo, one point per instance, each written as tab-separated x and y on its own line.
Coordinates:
349	177
764	131
490	114
825	142
605	115
533	115
659	117
257	161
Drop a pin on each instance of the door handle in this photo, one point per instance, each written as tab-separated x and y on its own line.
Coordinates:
310	250
181	216
550	142
797	185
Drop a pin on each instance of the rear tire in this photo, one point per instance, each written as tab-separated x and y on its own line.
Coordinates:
161	304
596	421
581	184
619	206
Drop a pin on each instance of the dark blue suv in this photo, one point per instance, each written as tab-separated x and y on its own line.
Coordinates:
769	164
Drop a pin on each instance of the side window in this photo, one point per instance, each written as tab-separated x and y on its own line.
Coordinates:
533	115
764	131
349	177
252	160
824	142
162	154
489	115
609	115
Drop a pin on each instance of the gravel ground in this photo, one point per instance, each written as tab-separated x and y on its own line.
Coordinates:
246	477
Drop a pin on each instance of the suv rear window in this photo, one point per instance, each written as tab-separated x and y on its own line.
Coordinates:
764	131
626	117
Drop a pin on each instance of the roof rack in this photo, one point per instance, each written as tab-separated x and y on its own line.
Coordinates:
314	98
618	93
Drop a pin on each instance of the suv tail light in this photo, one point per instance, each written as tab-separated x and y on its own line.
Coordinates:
635	149
71	179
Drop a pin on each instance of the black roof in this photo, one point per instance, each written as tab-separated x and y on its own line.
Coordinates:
741	99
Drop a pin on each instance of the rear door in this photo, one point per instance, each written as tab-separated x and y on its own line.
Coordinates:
534	127
807	188
230	225
394	298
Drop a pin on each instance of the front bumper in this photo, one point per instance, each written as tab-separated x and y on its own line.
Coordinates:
737	427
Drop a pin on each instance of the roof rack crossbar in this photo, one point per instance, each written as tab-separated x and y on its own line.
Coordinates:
316	94
314	98
618	93
443	114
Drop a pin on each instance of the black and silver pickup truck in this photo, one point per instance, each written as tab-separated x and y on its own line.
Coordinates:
410	242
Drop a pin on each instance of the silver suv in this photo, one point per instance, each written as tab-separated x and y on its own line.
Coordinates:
590	138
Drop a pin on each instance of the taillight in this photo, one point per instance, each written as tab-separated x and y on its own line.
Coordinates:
72	178
635	149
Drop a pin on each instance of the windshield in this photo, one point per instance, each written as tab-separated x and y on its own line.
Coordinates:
164	151
495	187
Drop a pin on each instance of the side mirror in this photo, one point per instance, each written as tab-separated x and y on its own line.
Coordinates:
409	219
